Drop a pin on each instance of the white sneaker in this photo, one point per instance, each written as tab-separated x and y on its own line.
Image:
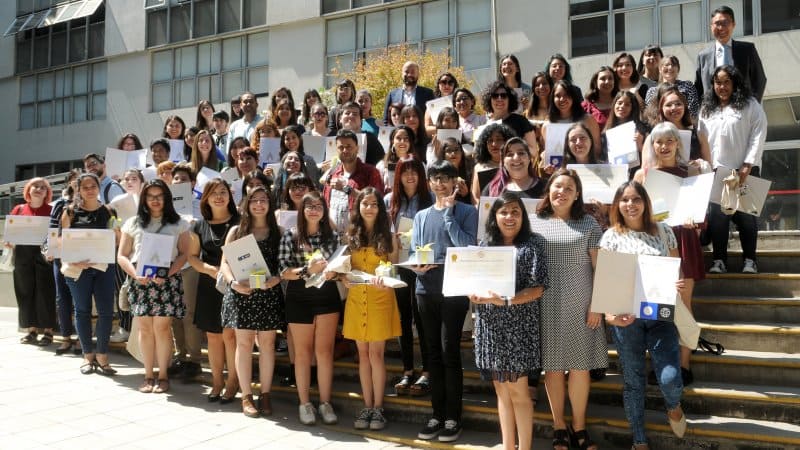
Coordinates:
121	335
308	415
749	266
718	267
328	416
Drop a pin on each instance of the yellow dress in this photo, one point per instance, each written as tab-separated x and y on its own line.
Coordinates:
370	313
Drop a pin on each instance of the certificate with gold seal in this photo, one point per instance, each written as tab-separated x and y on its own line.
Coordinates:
480	270
26	230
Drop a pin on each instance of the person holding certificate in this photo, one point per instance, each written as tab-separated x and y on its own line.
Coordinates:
565	107
409	194
371	315
507	362
572	338
34	285
154	300
501	103
736	126
634	230
464	104
86	212
204	153
663	148
401	141
448	223
312	312
205	255
488	154
255	312
517	172
446	84
674	107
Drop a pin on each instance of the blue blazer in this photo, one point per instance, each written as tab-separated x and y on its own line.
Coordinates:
421	96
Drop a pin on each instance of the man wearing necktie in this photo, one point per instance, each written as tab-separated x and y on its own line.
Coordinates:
725	50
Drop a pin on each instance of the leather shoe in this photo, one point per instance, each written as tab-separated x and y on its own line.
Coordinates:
678	426
248	408
264	404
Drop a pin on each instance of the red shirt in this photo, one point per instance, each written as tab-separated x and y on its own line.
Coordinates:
26	210
365	175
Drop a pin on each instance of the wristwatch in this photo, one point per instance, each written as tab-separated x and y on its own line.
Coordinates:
303	273
507	299
347	189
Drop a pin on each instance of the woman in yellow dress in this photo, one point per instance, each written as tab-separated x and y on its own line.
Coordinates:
370	314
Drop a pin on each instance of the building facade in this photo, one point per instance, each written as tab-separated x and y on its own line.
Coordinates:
77	74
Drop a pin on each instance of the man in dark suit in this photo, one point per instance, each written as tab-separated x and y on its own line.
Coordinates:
725	50
410	93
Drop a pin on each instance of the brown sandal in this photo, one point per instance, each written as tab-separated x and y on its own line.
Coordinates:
147	386
162	387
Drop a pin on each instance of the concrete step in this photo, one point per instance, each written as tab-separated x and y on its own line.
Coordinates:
785	261
744	309
762	337
770	240
784	285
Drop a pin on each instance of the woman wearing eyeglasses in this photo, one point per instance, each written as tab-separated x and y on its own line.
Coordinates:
446	84
500	101
464	104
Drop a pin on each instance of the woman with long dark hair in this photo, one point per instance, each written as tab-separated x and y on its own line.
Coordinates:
451	150
600	99
565	107
488	156
310	98
205	115
401	146
446	84
411	116
517	172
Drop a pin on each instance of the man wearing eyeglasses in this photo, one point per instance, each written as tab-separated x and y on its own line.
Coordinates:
109	188
726	51
410	93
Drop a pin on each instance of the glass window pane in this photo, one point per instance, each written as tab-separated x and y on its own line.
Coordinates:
255	13
41	51
80	80
25	7
633	30
413	23
27	117
27	89
589	36
98	106
44	88
208	87
232	84
77	44
329	6
184	94
435	19
59	84
203	18
228	15
340	35
258	80
587	6
99	77
780	15
24	55
162	66
58	45
372	30
257	49
681	24
97	32
156	27
397	25
68	110
475	51
208	57
742	10
79	108
360	3
44	113
185	61
232	53
162	97
438	46
58	112
619	4
179	23
474	15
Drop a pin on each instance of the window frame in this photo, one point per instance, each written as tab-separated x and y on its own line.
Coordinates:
169	5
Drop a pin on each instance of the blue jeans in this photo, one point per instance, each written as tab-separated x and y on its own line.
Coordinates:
64	305
661	340
101	285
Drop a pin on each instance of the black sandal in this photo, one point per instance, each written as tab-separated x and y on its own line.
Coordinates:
105	369
46	339
560	439
714	348
29	338
66	346
580	439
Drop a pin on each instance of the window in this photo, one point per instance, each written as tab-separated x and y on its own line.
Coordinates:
59	97
62	41
215	71
460	27
181	20
612	26
779	15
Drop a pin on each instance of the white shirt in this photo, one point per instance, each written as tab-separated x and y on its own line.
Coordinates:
736	137
719	53
241	128
410	97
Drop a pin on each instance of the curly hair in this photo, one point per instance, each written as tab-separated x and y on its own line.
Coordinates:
482	154
740	96
486	96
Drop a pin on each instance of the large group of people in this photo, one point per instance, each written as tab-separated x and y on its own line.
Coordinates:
386	205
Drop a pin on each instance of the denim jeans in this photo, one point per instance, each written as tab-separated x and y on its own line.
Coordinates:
101	285
719	228
442	320
661	340
64	305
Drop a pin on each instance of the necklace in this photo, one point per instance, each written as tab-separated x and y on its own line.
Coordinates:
217	241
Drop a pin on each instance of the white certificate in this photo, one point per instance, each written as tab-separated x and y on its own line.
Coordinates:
443	134
752	194
480	270
26	230
683	199
476	133
600	181
118	161
203	177
230	175
435	106
686	144
155	255
53	244
287	219
126	205
554	140
383	137
330	148
236	189
485	205
182	198
150	173
244	257
176	150
314	146
622	144
93	245
404	226
641	285
269	151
